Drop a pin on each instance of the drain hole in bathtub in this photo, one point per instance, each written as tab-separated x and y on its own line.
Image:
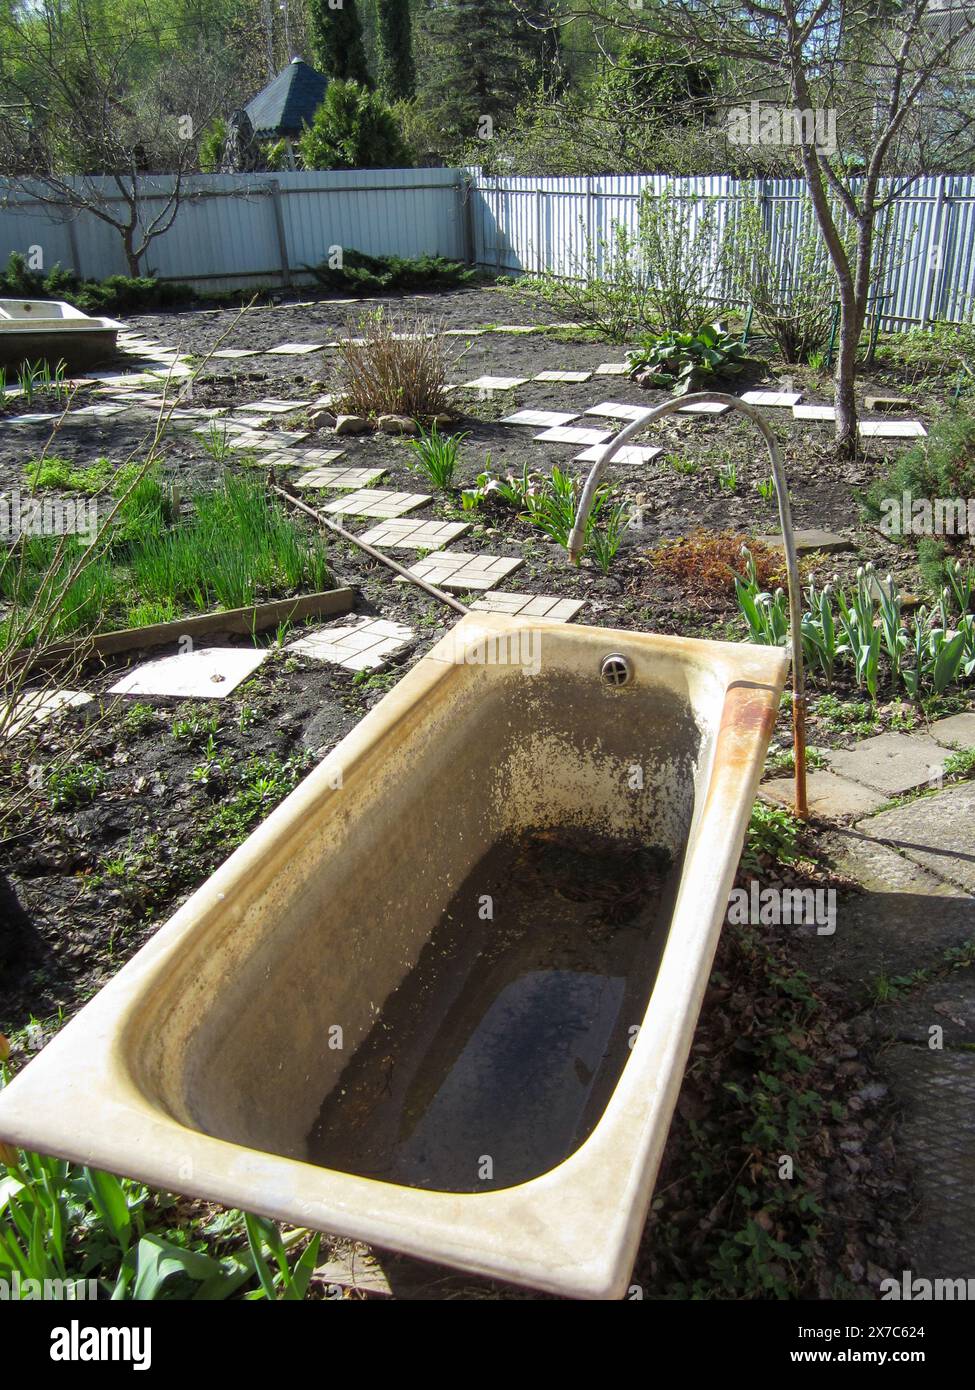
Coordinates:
616	670
496	1056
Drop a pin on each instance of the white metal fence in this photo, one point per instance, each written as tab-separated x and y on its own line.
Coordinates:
234	230
261	228
544	224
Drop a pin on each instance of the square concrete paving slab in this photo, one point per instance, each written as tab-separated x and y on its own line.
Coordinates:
814	412
704	408
957	731
464	332
891	762
273	406
352	478
548	418
37	707
617	410
231	353
294	349
358	646
457	569
322	455
613	369
772	398
494	383
562	435
891	429
629	453
553	610
515	328
277	439
208	674
563	376
376	502
937	832
400	534
830	796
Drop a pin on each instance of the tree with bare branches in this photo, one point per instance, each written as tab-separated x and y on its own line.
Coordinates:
877	93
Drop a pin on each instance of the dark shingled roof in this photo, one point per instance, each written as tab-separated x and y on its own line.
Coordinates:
288	102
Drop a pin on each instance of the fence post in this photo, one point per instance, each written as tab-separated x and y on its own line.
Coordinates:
465	211
75	246
540	257
279	228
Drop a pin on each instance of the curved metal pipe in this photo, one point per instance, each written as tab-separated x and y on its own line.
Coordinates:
577	539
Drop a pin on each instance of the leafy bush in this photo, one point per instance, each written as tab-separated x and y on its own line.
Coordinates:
361	272
353	128
689	361
118	294
393	365
799	318
941	465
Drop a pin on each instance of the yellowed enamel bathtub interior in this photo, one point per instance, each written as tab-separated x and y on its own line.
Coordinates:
369	1022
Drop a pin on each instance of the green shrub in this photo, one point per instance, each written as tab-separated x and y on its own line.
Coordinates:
119	294
940	465
360	272
353	128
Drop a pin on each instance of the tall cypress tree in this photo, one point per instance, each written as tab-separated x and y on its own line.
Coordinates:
337	37
394	49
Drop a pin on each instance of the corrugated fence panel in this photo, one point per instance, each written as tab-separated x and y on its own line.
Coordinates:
262	228
237	229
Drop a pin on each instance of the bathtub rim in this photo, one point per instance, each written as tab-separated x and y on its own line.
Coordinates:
572	1230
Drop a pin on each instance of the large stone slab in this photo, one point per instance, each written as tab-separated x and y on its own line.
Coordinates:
569	434
891	429
957	731
618	410
891	762
211	673
37	707
814	539
548	418
814	412
627	453
494	383
935	1093
783	399
937	832
829	796
901	918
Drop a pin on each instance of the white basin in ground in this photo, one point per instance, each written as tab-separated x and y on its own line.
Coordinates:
53	331
335	1032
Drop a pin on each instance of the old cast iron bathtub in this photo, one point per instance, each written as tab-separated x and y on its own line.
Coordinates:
442	999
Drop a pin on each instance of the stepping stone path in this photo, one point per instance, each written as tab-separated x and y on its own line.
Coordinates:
891	429
613	369
628	453
893	763
376	502
37	707
415	535
704	408
553	610
294	349
356	478
813	412
549	418
560	434
614	410
457	569
209	673
772	398
563	376
361	645
494	383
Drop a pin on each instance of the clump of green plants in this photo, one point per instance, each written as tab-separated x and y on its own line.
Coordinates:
354	270
864	631
935	475
62	1224
550	504
194	727
688	361
773	833
437	455
61	474
73	784
118	294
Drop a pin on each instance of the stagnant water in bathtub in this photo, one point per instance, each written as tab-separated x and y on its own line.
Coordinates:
495	1057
